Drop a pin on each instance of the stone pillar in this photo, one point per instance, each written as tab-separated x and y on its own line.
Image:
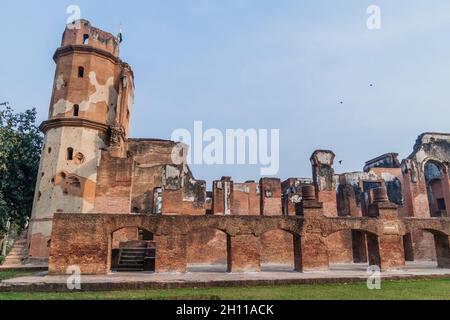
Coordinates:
244	253
270	189
297	253
390	242
324	181
391	252
313	249
314	252
222	196
170	253
442	243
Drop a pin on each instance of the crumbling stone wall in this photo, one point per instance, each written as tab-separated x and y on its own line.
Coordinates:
270	189
325	180
291	190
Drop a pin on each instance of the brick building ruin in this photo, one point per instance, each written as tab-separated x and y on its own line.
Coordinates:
107	202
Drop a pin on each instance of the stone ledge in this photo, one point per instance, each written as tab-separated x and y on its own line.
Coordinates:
139	285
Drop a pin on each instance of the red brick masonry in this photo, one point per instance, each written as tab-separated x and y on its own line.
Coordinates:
86	239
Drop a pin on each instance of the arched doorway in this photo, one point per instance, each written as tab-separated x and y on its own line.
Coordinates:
132	250
427	246
353	249
208	251
277	251
437	188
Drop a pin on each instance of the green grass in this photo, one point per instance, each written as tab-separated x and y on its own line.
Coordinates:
13	274
438	289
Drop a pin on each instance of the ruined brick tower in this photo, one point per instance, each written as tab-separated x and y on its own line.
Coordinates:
89	112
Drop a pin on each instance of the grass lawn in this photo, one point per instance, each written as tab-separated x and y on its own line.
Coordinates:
420	289
13	274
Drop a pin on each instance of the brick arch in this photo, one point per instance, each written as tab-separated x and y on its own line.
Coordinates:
116	226
437	187
363	238
442	167
292	231
434	226
431	230
292	227
369	226
198	226
132	226
440	229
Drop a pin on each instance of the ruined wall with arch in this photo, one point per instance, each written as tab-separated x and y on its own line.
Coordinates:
86	239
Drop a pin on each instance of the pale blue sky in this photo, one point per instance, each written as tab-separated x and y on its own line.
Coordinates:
258	64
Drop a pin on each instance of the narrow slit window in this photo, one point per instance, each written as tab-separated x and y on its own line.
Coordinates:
80	72
76	110
69	154
86	39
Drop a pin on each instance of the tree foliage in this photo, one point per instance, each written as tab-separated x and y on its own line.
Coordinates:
20	147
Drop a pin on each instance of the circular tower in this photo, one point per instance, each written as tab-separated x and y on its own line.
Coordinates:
89	112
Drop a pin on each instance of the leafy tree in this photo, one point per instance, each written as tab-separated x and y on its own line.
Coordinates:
20	148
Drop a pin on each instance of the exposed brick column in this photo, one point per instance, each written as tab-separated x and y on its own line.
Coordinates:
244	253
313	249
270	189
442	243
346	199
170	253
415	190
323	177
297	253
390	242
222	196
391	252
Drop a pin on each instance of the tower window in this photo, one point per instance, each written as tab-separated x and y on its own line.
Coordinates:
86	39
80	72
69	154
76	110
